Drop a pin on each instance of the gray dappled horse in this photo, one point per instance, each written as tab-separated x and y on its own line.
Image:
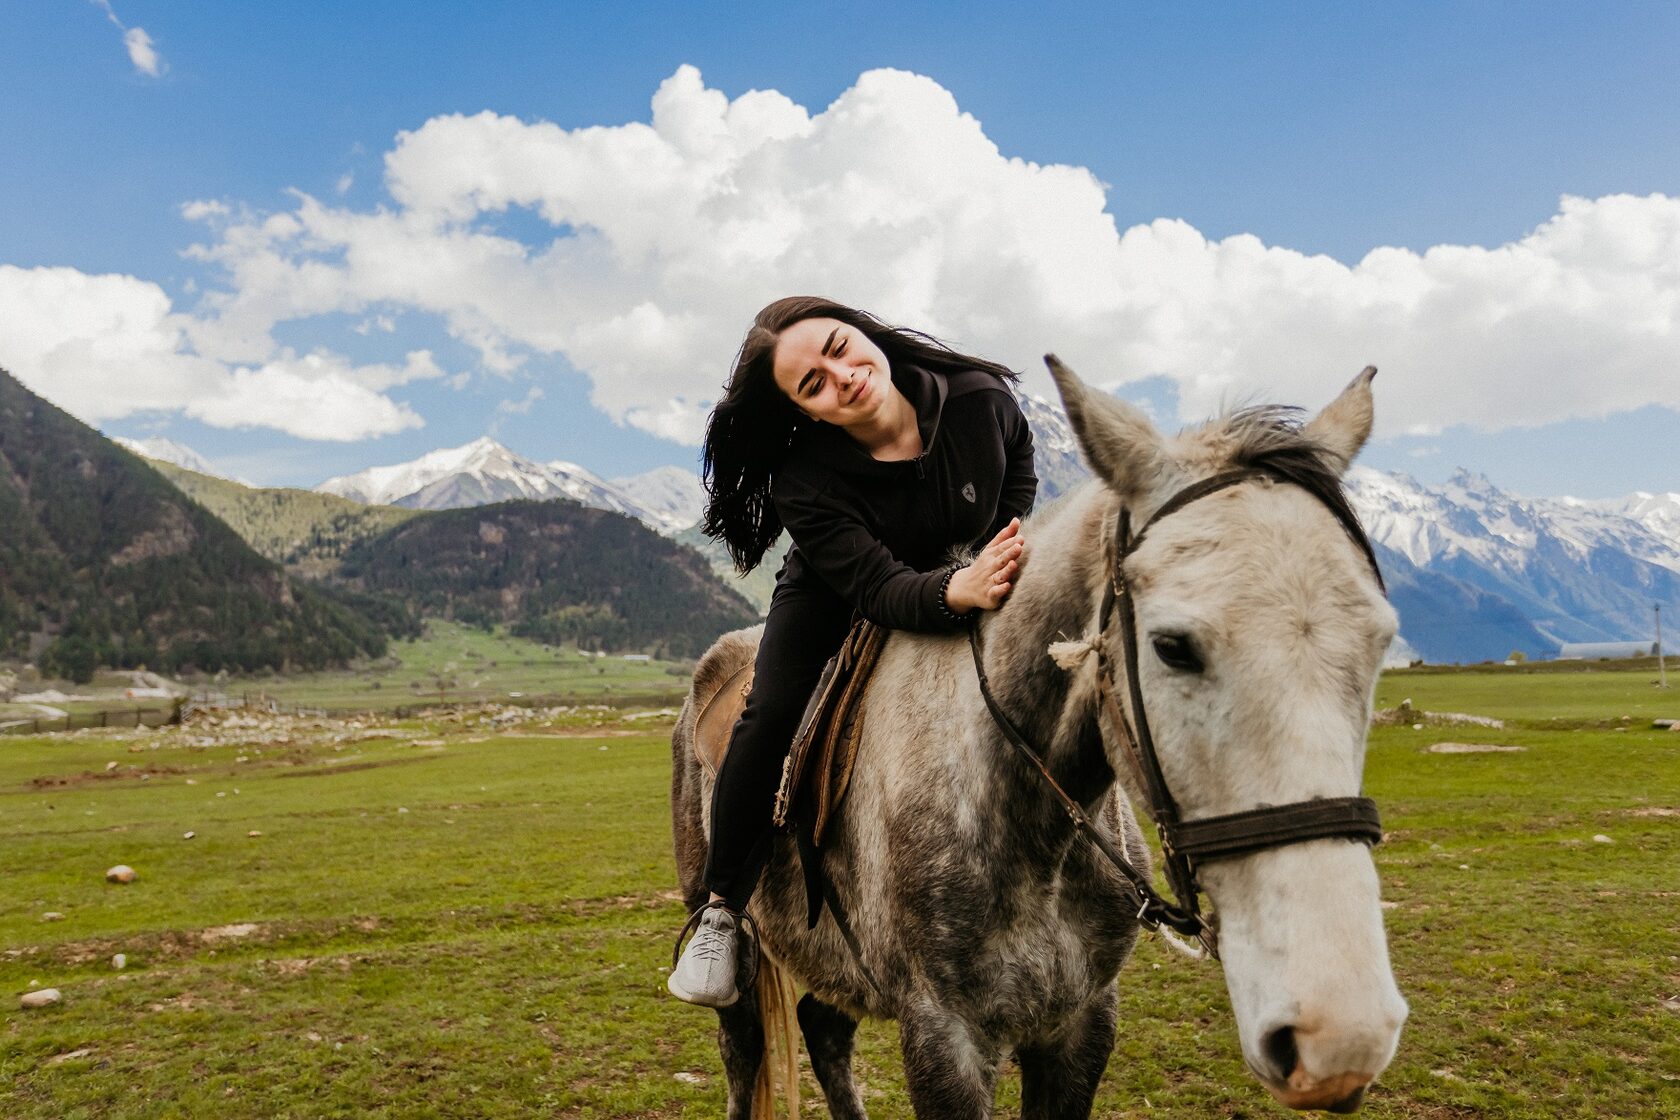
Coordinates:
984	925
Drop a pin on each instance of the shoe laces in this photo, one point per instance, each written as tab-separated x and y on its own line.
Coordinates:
710	942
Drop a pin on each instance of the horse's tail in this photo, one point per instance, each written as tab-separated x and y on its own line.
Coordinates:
776	1095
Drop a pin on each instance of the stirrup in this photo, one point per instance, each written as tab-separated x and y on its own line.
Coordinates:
743	920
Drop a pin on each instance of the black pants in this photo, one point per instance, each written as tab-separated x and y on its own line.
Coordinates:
805	627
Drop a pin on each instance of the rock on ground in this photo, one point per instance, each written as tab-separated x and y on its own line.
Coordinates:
46	997
121	873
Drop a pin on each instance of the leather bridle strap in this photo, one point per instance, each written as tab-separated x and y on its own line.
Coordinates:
1153	911
1255	830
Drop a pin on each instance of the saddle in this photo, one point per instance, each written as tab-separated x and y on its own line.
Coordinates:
819	764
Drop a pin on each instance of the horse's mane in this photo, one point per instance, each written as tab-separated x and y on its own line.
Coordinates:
1273	438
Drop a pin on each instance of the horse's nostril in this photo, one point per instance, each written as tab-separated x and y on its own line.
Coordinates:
1280	1048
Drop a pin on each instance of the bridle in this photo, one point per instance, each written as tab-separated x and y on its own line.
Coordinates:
1186	844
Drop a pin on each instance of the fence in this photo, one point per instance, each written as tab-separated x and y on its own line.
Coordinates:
107	717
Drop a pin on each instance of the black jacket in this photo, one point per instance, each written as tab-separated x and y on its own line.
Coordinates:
879	533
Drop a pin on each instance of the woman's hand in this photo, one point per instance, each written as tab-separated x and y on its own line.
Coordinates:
987	582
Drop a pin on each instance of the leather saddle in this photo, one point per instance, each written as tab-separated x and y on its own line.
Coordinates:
819	765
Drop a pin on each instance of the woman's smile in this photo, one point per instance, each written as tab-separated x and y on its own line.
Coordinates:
862	388
828	369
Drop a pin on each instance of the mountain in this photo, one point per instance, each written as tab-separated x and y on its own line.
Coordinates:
1660	513
168	451
672	495
1056	458
104	562
484	472
1570	570
555	571
305	531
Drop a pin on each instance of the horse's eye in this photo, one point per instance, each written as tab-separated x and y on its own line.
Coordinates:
1177	651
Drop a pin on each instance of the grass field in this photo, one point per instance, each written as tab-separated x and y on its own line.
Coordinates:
463	918
449	664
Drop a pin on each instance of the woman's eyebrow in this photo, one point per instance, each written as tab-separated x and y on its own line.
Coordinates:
830	342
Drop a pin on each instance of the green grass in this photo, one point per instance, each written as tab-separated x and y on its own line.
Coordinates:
453	663
496	950
449	664
1564	692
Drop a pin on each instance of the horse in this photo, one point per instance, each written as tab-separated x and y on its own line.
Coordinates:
975	912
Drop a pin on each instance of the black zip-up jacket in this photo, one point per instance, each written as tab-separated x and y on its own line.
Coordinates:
879	533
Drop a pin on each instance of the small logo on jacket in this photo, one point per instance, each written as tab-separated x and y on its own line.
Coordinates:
968	491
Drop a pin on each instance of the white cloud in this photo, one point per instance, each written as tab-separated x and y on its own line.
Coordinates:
522	406
142	52
105	347
669	235
308	398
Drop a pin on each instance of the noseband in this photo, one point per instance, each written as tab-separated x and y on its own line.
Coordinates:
1187	844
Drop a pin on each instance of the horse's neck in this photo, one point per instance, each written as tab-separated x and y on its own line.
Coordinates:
1056	599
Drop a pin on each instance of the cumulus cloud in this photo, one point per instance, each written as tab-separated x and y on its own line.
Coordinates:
668	235
142	51
106	347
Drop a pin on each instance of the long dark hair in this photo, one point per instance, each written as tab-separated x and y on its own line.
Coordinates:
753	426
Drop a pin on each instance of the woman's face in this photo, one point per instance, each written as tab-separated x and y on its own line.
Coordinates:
831	371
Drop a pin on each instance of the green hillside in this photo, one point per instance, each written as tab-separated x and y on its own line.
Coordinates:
555	571
104	562
307	532
755	587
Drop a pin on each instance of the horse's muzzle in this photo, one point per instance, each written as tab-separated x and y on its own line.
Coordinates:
1343	1093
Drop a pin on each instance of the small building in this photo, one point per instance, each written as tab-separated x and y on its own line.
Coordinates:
638	657
1603	651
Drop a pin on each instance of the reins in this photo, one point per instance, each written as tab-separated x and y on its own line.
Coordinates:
1184	844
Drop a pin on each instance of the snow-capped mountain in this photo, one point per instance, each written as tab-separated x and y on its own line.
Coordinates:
168	451
672	494
1056	458
483	472
1659	513
1478	567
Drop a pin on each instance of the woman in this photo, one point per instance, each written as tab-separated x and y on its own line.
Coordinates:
881	451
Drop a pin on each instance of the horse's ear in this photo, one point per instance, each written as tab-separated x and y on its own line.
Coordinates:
1119	442
1345	424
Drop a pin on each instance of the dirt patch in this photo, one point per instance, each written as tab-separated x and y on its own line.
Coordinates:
63	781
228	933
348	767
1652	811
1471	748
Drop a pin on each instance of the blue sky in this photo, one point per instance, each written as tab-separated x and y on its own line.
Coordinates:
1326	129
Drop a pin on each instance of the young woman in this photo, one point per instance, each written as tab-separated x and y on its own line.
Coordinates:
881	451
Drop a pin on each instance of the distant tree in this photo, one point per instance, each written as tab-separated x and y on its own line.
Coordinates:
1517	655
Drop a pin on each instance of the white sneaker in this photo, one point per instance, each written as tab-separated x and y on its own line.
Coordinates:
706	973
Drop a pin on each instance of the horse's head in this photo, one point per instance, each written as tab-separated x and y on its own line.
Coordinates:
1261	628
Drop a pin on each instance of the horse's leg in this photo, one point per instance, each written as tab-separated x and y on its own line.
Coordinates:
828	1035
1061	1080
741	1043
951	1075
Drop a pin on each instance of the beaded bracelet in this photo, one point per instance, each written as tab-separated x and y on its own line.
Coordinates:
945	610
